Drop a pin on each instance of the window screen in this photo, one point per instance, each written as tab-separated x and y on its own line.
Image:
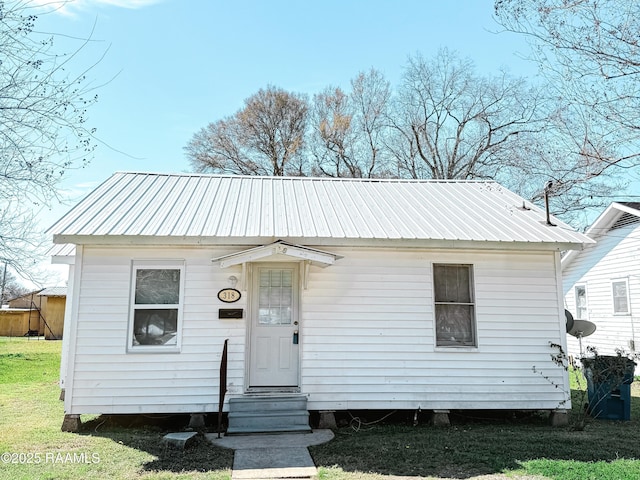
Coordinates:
454	305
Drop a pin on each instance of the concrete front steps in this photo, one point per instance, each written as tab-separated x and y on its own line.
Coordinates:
268	414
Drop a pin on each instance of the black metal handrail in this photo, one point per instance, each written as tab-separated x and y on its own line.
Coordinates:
223	384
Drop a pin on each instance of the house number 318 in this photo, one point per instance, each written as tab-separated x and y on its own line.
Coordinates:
229	295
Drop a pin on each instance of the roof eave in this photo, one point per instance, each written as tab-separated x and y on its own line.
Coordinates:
124	240
604	221
608	218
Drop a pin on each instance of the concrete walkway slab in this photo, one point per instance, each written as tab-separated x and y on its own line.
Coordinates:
269	457
289	462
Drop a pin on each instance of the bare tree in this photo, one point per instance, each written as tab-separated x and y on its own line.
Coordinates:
444	122
266	137
348	128
556	154
333	135
43	114
450	123
10	287
589	51
371	97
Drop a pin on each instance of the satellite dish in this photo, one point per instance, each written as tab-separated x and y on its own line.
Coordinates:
582	328
569	318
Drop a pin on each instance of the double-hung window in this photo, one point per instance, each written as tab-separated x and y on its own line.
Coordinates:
156	306
455	317
620	291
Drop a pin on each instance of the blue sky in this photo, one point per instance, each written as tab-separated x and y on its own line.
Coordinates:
172	66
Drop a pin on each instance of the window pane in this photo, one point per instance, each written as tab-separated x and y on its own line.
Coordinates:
439	280
620	299
581	302
264	296
157	286
286	296
276	278
452	283
264	316
454	324
285	316
155	327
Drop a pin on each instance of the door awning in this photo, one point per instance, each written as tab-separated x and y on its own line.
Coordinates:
278	250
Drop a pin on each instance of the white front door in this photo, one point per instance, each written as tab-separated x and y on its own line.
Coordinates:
274	349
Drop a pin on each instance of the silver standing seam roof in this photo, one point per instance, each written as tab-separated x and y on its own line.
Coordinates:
150	208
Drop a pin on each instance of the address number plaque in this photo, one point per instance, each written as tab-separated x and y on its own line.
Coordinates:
229	295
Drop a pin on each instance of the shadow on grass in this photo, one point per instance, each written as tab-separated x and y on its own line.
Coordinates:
482	443
477	443
145	433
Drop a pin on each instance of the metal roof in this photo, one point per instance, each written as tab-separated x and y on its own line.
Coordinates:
616	215
226	209
53	292
63	250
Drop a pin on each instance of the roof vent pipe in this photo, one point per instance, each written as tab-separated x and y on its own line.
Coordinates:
547	189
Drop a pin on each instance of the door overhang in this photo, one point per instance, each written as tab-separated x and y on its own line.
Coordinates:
279	251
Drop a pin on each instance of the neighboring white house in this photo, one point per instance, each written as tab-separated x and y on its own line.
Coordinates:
602	282
357	294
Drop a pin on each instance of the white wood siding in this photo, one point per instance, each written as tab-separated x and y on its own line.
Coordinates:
366	335
107	379
615	256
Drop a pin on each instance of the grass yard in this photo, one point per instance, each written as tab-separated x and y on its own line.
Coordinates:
31	415
517	448
477	445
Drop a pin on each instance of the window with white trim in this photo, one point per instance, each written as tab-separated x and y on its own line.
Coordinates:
455	318
581	302
620	291
156	306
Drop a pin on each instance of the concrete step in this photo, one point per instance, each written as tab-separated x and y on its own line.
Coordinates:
265	419
267	403
256	429
268	414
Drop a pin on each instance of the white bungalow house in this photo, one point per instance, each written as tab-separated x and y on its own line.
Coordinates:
348	294
602	282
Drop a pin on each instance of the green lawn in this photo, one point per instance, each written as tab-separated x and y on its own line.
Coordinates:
489	445
477	444
31	416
